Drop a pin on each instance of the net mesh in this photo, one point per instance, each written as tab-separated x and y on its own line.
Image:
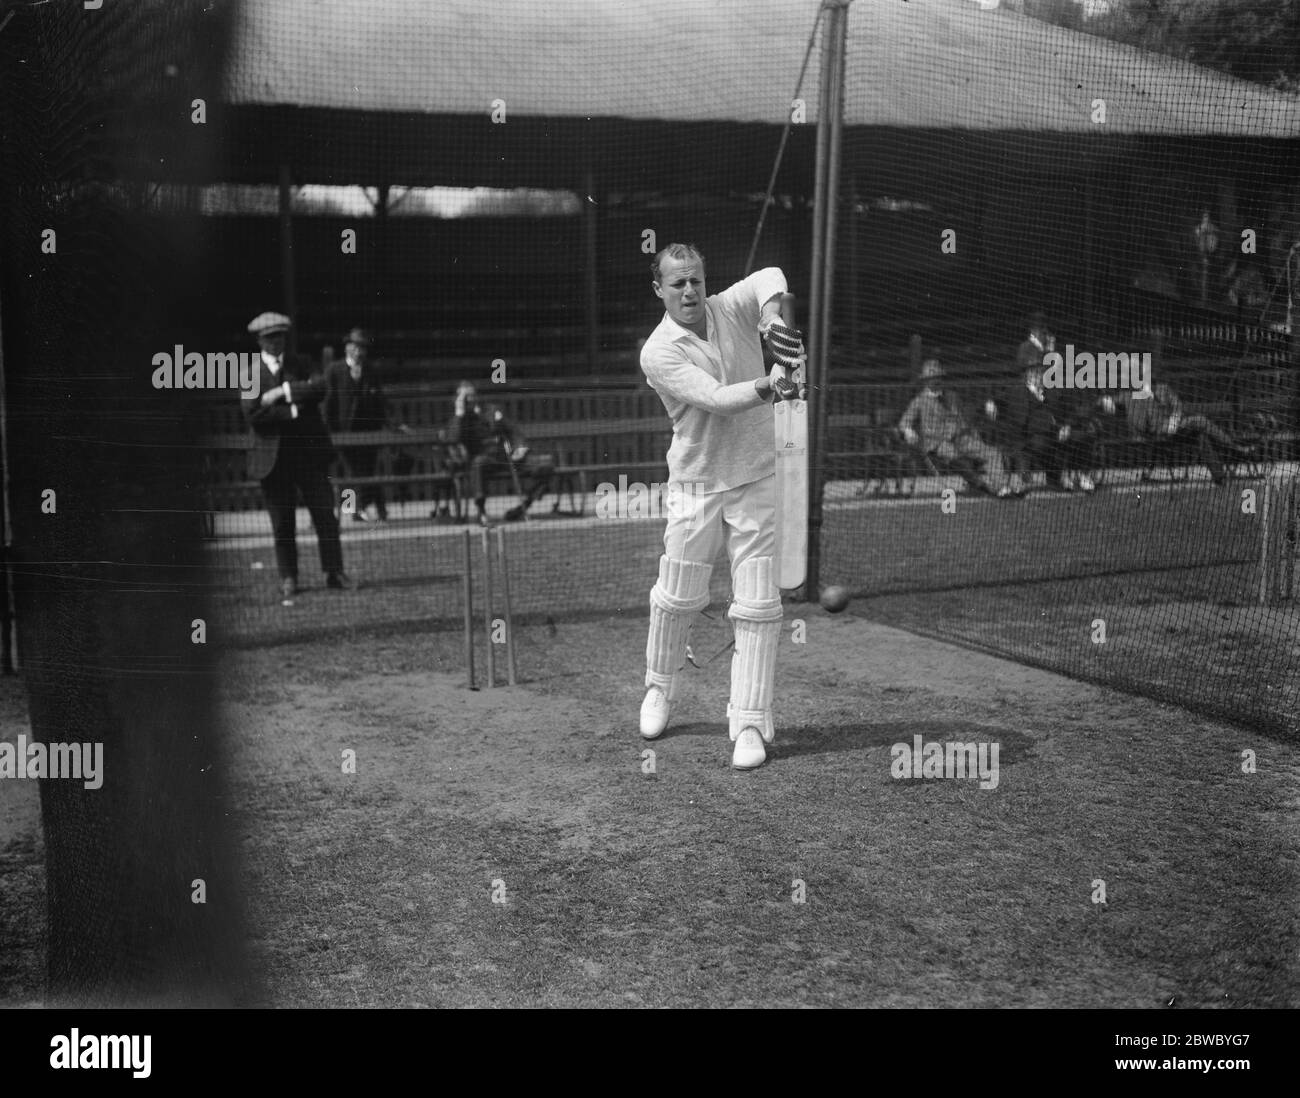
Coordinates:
993	165
105	553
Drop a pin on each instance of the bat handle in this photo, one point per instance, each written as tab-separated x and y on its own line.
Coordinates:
785	390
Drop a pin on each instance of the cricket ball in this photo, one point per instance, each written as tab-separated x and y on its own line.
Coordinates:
835	599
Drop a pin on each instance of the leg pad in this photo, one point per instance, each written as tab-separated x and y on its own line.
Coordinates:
756	616
682	591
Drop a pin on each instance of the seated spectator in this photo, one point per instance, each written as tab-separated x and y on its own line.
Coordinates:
1045	429
491	446
1155	412
538	470
935	423
1081	411
1071	409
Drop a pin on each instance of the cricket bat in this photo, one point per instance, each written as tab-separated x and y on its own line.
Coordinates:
791	420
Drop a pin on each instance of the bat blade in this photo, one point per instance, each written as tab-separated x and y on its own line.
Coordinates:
791	438
791	418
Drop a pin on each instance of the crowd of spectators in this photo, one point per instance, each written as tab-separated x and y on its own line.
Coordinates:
301	412
1031	426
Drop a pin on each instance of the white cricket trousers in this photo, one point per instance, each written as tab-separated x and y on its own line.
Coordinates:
743	522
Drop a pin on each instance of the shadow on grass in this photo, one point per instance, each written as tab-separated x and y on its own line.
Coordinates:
1013	746
699	729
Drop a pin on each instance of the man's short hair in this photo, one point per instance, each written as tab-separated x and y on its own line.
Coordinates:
675	251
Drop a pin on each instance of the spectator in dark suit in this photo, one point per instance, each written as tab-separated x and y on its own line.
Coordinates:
1038	343
534	469
1073	452
480	449
1079	411
1037	426
291	454
354	401
490	445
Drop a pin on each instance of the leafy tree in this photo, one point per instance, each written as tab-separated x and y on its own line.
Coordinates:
1257	40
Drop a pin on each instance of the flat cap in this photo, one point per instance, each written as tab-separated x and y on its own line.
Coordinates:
267	323
358	336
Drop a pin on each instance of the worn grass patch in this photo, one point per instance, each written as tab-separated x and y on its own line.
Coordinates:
676	888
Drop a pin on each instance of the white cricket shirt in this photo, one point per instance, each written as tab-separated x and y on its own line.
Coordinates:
722	429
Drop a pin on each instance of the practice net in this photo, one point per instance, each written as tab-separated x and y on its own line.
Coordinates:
1136	191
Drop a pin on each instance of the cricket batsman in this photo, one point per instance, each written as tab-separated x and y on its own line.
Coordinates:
705	360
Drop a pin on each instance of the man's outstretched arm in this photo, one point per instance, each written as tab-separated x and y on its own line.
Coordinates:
677	376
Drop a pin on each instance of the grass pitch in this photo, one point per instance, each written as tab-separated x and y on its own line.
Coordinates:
514	847
677	887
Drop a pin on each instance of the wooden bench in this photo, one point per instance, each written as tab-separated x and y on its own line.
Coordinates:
1176	456
582	475
570	483
223	498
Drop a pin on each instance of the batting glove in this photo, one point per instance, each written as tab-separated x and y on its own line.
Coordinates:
782	387
785	344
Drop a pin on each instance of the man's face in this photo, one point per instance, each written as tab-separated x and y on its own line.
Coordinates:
681	288
356	352
272	343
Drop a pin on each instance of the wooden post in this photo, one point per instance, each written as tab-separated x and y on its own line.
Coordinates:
1089	305
6	616
855	273
830	121
1280	523
287	280
487	608
380	272
504	562
468	595
589	214
383	193
914	349
816	279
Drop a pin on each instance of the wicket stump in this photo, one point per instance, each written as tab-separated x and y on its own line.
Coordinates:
1280	540
503	566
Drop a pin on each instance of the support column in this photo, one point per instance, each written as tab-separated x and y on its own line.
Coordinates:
855	270
1089	222
6	605
590	211
287	279
830	121
383	191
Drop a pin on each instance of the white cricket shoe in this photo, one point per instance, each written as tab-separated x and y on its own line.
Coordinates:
654	713
748	752
1086	483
